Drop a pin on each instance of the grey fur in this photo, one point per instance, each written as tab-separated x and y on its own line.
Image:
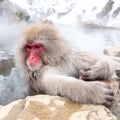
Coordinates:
58	73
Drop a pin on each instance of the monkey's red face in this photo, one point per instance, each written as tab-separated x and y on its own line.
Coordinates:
33	51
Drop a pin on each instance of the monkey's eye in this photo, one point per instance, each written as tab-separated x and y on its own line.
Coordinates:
28	47
37	46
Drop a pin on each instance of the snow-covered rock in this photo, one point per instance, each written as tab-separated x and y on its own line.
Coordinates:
99	13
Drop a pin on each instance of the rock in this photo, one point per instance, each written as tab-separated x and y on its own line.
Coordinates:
12	11
106	9
44	107
5	66
113	51
13	87
116	12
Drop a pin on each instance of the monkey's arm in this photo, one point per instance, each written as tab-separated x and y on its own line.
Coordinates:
77	90
96	67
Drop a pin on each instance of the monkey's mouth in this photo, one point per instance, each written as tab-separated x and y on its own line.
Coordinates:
34	67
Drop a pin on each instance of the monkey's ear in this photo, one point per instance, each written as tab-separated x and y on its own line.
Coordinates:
47	22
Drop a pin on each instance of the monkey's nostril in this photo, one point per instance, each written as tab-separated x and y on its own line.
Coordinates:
32	58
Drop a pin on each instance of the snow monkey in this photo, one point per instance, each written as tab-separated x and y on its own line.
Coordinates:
53	66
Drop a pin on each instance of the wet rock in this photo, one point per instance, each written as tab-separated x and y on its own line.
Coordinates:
13	83
106	9
13	87
44	107
116	12
5	66
12	11
113	51
21	14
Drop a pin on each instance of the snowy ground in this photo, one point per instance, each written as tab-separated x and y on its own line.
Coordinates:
85	10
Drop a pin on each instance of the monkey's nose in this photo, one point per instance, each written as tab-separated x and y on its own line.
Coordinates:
33	60
31	57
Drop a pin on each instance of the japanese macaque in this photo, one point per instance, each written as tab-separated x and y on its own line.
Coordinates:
54	67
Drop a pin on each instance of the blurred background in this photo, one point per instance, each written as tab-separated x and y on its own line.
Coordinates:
89	25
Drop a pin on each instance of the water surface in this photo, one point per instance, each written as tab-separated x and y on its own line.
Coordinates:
93	39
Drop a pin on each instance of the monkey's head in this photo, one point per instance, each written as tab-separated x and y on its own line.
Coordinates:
41	45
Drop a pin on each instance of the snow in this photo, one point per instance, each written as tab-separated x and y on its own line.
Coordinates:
86	10
22	3
67	19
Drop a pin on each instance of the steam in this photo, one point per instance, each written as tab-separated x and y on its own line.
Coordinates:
9	33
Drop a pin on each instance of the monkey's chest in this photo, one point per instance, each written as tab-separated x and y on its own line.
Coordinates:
33	76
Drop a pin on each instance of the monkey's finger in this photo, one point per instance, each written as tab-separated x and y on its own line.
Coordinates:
107	104
110	98
110	93
84	74
86	69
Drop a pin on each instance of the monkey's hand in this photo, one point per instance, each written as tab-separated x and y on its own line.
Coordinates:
99	93
96	72
100	70
86	74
